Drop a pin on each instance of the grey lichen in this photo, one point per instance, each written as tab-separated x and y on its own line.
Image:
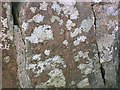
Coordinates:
84	83
56	18
79	40
57	79
41	33
85	68
81	54
49	63
85	26
38	18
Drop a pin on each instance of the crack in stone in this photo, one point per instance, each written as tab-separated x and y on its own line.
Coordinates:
15	9
98	52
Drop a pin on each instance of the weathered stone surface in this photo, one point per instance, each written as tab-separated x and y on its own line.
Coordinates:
9	65
106	29
64	44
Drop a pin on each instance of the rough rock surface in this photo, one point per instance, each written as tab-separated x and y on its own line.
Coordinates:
60	44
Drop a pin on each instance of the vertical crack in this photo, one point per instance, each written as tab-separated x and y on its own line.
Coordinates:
15	13
98	52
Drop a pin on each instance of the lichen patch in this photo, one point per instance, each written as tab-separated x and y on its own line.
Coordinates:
86	25
33	9
4	22
38	18
41	33
47	52
85	68
25	26
79	40
36	57
70	24
56	7
81	54
57	79
76	32
65	42
56	18
50	63
70	10
84	83
43	6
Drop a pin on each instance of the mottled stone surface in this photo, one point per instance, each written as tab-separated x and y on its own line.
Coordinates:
66	45
9	65
107	28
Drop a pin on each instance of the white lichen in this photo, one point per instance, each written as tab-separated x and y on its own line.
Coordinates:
56	18
97	1
4	22
5	5
71	11
36	57
43	6
87	71
25	26
74	15
85	27
56	7
41	33
65	42
85	68
67	2
69	8
31	67
78	56
38	18
84	83
79	40
76	32
33	9
82	66
70	24
57	78
50	63
47	52
81	54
